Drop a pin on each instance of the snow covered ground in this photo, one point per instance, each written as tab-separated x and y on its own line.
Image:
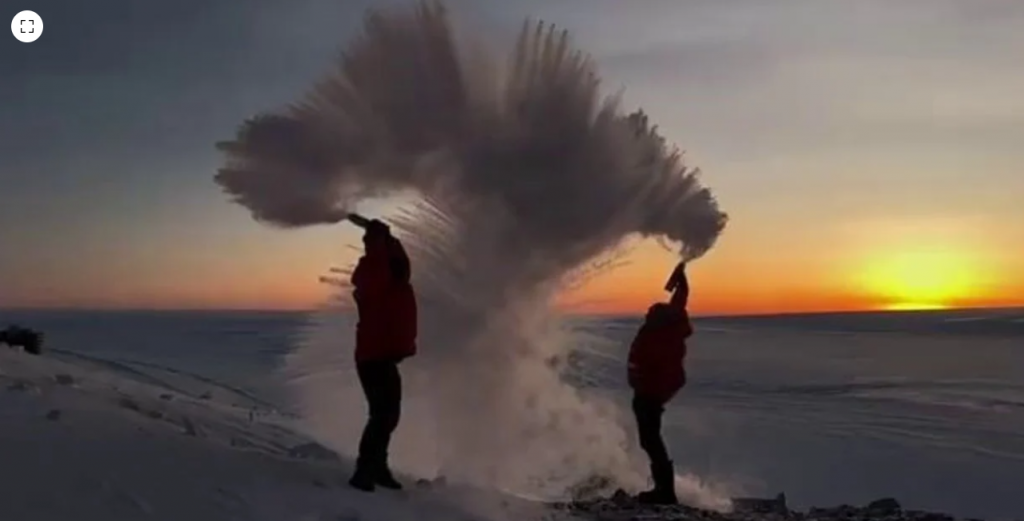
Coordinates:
173	416
79	441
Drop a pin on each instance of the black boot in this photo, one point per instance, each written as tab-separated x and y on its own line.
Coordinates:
385	479
664	491
363	478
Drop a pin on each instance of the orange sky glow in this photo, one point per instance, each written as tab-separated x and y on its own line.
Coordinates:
888	272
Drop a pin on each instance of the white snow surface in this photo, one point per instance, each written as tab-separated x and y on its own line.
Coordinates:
79	441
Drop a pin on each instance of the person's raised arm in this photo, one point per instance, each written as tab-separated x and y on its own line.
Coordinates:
679	286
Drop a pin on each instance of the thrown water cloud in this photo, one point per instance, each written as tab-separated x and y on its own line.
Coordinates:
523	173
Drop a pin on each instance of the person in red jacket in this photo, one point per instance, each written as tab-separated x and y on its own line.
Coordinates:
656	374
385	335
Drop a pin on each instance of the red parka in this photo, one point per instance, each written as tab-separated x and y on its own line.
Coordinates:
386	303
658	352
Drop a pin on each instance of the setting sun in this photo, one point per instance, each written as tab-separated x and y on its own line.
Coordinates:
921	280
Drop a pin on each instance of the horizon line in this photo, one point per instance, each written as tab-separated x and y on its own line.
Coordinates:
633	314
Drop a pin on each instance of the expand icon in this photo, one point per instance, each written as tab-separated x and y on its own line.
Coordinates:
27	26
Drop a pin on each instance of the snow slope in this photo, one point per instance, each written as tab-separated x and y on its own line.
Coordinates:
80	441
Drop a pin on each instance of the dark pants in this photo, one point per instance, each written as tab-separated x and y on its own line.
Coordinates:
648	423
382	385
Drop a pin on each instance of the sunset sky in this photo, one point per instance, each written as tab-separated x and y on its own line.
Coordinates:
870	153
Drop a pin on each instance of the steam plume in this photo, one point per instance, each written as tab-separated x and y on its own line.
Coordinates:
523	173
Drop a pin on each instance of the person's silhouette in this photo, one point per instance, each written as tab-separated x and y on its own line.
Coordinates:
656	373
385	335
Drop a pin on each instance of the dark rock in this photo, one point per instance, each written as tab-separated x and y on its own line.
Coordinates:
205	396
932	516
751	505
166	397
156	415
846	510
884	507
20	386
129	404
53	415
241	443
64	379
319	483
313	450
16	336
591	488
190	428
621	506
621	497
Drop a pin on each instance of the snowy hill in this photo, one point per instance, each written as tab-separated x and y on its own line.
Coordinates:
83	442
